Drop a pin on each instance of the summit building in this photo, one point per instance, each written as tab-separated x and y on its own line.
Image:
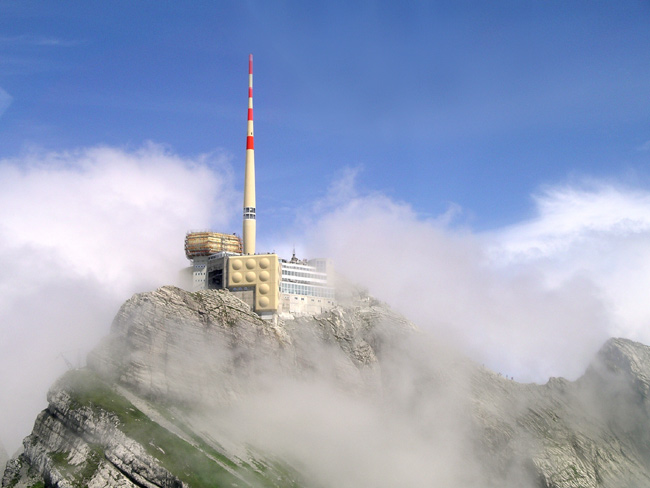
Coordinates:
268	284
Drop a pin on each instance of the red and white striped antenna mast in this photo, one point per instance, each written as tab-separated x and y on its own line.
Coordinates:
249	175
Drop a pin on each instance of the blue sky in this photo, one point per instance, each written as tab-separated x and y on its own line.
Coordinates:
436	102
483	167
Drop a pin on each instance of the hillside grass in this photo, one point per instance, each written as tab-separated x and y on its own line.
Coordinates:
200	465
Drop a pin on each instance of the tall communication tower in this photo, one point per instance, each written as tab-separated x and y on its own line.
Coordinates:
249	176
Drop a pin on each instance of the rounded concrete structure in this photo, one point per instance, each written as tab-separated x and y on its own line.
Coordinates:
261	274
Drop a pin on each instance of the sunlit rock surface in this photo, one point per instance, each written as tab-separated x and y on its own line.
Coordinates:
193	389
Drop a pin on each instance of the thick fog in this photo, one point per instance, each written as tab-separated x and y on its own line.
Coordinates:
406	420
81	231
336	438
532	300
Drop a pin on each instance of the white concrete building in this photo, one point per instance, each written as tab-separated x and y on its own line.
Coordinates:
306	286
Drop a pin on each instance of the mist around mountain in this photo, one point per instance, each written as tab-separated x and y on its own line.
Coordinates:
193	389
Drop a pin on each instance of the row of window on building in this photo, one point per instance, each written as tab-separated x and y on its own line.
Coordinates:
304	274
308	290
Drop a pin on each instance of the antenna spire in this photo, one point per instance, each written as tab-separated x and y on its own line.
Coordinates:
249	175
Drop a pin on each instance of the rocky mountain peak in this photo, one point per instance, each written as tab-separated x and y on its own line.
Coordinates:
626	358
193	389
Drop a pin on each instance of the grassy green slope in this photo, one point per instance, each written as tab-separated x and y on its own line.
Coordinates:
198	464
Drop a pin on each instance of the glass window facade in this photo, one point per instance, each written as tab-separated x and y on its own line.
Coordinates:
307	290
303	279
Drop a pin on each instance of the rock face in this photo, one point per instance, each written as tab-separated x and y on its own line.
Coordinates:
589	433
207	348
3	457
171	398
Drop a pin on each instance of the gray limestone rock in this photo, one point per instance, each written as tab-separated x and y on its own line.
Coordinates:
3	457
588	433
132	418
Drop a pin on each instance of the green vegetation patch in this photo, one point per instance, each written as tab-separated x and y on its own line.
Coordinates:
272	474
193	465
78	475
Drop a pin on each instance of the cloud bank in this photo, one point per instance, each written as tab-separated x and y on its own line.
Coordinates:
79	233
533	300
597	230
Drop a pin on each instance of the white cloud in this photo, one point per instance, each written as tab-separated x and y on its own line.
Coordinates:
30	40
79	233
533	300
601	232
567	216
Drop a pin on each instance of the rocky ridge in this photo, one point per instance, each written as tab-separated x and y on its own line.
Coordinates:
3	457
135	416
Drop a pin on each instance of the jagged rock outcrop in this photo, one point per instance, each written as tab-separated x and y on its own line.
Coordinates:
3	457
143	412
207	347
184	350
589	433
186	347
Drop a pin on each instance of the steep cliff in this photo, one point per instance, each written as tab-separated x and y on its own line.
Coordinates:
3	457
192	389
